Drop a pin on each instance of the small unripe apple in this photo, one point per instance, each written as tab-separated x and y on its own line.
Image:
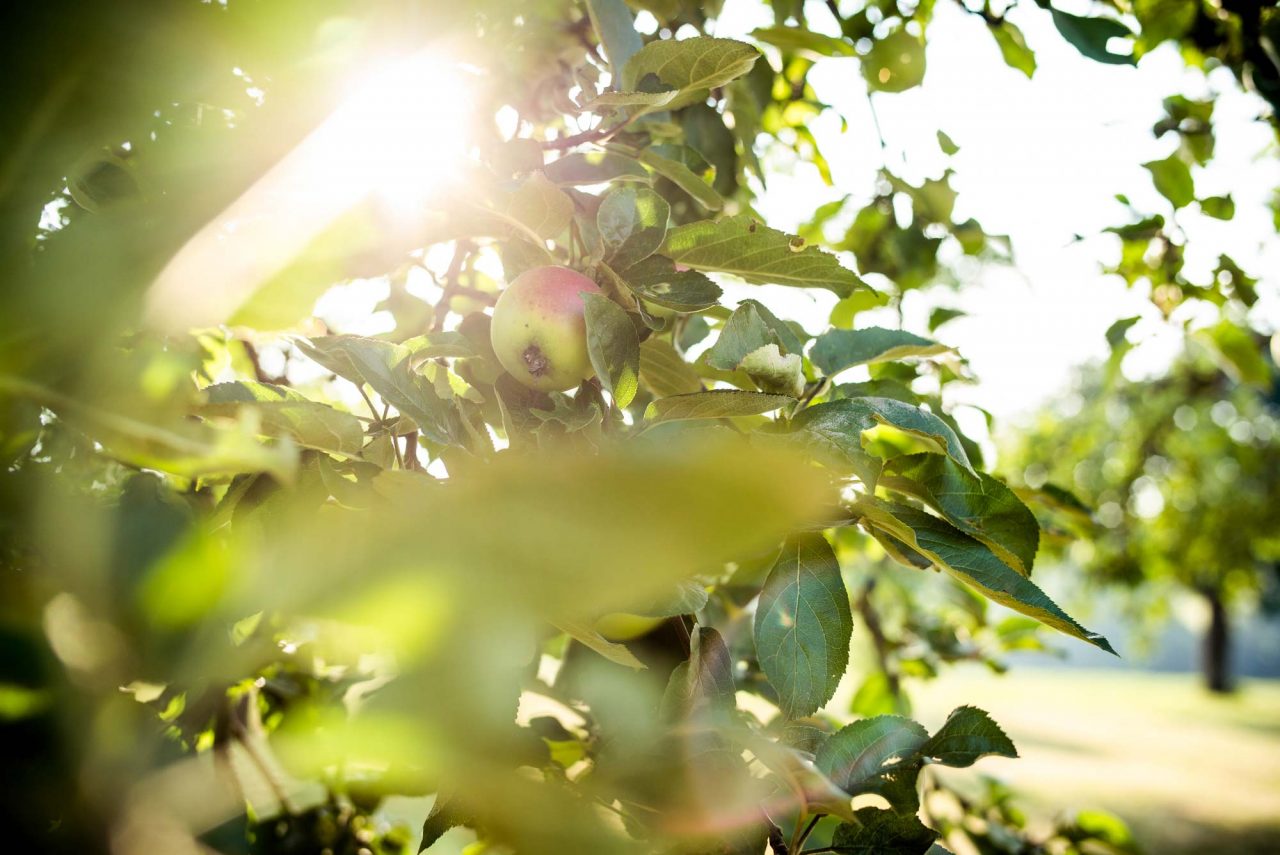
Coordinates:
620	626
539	330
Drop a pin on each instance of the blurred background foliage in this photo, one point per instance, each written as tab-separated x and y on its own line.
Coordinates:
243	618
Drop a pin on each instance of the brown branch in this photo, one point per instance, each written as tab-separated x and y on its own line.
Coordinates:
872	619
595	135
452	282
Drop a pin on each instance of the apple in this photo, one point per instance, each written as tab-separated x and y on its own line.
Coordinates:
620	626
539	330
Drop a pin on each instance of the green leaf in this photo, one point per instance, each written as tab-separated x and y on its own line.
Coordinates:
773	371
614	347
861	757
973	563
1013	47
614	24
1239	353
805	786
883	832
1117	333
942	315
183	447
539	205
663	372
947	144
1173	180
749	328
703	685
803	625
836	350
632	223
801	40
1090	36
844	311
847	418
387	368
693	66
683	177
758	254
636	103
595	167
968	734
1218	207
895	63
715	404
832	433
285	412
586	635
445	814
685	597
977	504
656	280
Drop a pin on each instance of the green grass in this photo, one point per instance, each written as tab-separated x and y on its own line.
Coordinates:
1189	771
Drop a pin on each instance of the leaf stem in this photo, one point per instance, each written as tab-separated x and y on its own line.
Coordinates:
804	835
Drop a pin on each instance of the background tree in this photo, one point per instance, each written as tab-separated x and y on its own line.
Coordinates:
1180	471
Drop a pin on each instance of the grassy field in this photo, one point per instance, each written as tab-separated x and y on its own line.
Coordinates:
1189	772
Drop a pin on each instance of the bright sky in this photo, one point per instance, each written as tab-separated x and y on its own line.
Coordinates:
1040	160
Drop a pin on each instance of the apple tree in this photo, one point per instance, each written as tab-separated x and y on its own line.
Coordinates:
581	563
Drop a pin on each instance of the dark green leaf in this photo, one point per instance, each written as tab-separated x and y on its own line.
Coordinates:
614	347
803	624
1090	36
977	504
973	563
883	832
632	223
843	422
656	280
760	255
704	685
836	350
445	814
863	756
1118	331
968	734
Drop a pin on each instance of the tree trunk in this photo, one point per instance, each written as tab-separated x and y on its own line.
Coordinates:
1217	646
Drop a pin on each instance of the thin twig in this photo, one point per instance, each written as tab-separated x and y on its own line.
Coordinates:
452	282
596	135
